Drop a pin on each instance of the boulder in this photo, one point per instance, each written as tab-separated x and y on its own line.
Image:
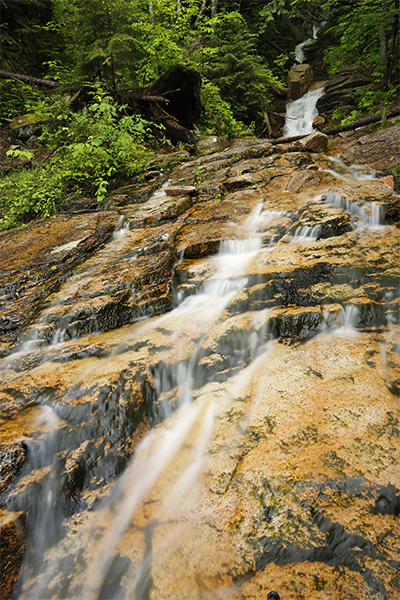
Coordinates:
316	142
319	122
211	144
300	78
25	129
180	190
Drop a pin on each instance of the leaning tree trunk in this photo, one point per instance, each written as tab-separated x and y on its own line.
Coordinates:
201	11
395	41
30	80
383	44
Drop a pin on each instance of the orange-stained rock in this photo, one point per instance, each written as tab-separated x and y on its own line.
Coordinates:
388	180
12	548
299	79
36	258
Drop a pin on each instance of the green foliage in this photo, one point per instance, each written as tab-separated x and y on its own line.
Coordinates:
373	99
365	32
217	117
339	117
26	194
142	45
28	35
16	153
98	145
228	58
351	118
17	98
91	150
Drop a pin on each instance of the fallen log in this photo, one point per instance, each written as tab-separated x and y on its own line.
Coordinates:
356	124
334	131
29	79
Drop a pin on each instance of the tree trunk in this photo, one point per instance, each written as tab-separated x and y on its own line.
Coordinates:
356	124
31	80
202	8
267	122
383	43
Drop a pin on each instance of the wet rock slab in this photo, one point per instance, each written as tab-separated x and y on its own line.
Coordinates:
36	259
12	547
297	485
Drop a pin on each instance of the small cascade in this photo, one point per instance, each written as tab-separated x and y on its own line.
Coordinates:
299	53
336	167
367	213
301	113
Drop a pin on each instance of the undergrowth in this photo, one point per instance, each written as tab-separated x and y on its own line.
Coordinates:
88	152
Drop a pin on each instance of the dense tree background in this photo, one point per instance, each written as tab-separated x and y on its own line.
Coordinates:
242	46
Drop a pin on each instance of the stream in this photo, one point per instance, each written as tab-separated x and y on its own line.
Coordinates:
166	464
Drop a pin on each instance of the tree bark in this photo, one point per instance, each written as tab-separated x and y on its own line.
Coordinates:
266	118
30	80
383	44
202	8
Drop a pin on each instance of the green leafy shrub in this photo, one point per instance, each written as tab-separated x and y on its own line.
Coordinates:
29	193
217	116
97	146
17	98
90	150
355	115
373	99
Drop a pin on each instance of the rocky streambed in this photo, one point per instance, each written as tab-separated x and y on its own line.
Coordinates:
200	386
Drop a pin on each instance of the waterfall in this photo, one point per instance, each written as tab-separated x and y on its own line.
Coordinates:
301	113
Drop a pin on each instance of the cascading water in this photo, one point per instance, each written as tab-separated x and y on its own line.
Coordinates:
217	347
301	113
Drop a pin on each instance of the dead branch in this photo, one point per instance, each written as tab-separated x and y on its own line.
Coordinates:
30	80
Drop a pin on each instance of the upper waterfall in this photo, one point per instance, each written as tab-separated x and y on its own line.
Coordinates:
301	113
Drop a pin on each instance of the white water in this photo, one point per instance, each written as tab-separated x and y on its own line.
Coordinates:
367	213
339	169
187	434
301	113
299	53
